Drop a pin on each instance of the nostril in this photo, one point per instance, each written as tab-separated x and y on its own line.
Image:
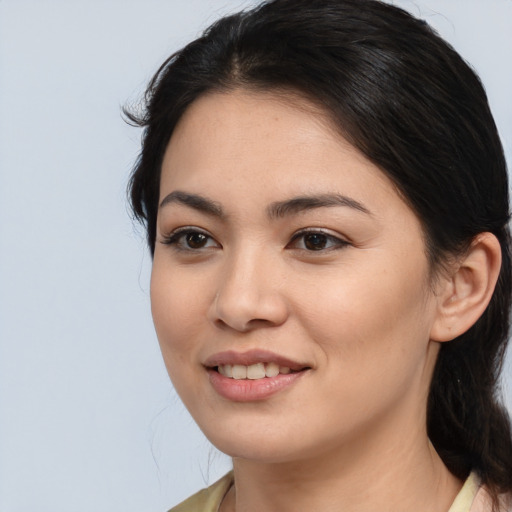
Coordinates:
240	326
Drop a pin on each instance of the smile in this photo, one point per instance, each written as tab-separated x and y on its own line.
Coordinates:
253	372
254	375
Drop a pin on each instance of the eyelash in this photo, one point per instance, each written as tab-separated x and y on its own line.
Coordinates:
176	239
336	242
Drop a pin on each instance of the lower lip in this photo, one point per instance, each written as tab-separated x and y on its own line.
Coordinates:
247	390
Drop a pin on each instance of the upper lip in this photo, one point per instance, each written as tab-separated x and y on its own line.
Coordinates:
251	357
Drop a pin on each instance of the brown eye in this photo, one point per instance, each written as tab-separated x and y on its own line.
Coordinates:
315	241
190	239
196	240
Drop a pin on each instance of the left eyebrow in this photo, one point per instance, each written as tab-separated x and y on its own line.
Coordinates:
305	203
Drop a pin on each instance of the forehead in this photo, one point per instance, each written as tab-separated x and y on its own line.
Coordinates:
253	136
272	116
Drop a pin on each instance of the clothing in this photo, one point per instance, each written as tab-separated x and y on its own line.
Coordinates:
472	497
207	500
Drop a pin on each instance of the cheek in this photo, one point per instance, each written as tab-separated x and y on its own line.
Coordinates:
371	318
373	339
176	306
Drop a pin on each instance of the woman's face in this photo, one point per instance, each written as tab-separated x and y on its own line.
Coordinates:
284	254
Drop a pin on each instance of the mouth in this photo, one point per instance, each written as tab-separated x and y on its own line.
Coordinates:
253	375
253	364
254	371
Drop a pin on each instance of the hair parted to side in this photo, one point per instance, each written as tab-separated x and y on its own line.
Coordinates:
410	104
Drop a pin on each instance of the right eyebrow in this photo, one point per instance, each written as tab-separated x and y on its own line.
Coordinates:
195	201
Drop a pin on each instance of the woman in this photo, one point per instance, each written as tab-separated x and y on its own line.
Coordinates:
326	202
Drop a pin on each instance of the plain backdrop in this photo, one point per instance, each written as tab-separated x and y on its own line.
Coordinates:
88	418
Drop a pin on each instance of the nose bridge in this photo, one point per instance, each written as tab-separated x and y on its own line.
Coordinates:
243	265
249	291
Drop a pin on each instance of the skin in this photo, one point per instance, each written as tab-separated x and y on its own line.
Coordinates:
349	434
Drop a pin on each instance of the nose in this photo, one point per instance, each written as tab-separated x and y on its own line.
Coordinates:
249	295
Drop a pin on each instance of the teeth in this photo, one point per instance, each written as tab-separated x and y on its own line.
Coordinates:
271	370
256	371
239	372
252	372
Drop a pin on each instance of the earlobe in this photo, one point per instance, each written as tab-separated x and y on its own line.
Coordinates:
467	291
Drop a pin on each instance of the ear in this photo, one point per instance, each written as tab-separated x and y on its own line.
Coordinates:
463	295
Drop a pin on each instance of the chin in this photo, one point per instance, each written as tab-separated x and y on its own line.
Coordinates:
259	443
256	452
271	444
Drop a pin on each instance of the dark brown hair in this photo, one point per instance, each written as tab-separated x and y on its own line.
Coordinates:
409	102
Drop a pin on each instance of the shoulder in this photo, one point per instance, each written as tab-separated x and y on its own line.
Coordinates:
482	502
474	497
208	499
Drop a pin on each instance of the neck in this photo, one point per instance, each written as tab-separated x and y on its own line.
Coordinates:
395	471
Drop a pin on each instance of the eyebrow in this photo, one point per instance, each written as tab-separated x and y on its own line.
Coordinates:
195	201
305	203
275	210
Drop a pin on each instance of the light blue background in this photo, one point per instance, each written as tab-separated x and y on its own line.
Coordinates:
89	421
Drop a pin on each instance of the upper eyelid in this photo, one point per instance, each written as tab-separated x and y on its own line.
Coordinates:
323	231
186	229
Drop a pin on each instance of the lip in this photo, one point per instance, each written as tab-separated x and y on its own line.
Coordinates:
246	390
